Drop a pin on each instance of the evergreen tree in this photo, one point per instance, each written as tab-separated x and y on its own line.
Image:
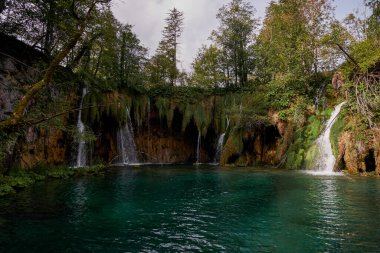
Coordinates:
165	60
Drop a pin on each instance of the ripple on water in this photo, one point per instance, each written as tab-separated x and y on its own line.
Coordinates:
181	209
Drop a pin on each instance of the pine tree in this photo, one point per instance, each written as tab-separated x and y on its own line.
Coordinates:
168	47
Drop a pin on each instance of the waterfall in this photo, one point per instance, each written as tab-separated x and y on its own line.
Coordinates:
82	151
325	158
227	121
198	147
219	148
126	143
148	121
320	94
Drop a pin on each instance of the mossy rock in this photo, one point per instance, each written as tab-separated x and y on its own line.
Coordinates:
298	152
336	131
233	147
6	189
311	155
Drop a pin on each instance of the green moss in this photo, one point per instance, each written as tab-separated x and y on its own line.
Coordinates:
60	172
299	151
187	111
336	131
311	153
233	146
20	179
140	105
6	189
111	105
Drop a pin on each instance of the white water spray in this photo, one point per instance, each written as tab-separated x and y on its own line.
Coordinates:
126	143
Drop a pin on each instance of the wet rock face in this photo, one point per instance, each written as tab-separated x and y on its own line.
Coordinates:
259	146
158	144
21	66
377	154
348	158
356	156
42	146
16	71
13	75
163	148
337	80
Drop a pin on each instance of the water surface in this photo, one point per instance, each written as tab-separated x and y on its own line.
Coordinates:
194	209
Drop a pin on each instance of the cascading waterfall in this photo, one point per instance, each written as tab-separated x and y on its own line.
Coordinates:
320	95
82	151
126	143
325	159
198	147
219	146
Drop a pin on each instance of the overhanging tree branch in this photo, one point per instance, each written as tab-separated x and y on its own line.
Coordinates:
346	54
17	116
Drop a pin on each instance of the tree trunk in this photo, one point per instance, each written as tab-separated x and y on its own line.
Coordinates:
17	118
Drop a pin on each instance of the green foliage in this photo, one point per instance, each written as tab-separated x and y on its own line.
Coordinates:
366	53
374	20
19	179
60	172
234	38
282	91
363	82
90	170
208	71
6	189
162	69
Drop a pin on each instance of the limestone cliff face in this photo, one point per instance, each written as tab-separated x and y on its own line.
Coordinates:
16	71
166	148
20	66
357	156
166	127
264	145
41	146
156	142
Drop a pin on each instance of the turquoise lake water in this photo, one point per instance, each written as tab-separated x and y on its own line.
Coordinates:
194	209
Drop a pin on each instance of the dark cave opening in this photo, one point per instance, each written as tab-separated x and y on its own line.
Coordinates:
271	135
191	136
370	162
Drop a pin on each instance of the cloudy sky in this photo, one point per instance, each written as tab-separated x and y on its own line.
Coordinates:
147	18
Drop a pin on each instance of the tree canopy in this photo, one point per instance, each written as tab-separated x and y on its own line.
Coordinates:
284	57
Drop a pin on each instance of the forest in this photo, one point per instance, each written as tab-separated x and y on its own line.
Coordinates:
269	85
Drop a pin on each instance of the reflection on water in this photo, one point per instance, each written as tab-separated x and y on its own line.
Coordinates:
79	200
194	209
329	210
